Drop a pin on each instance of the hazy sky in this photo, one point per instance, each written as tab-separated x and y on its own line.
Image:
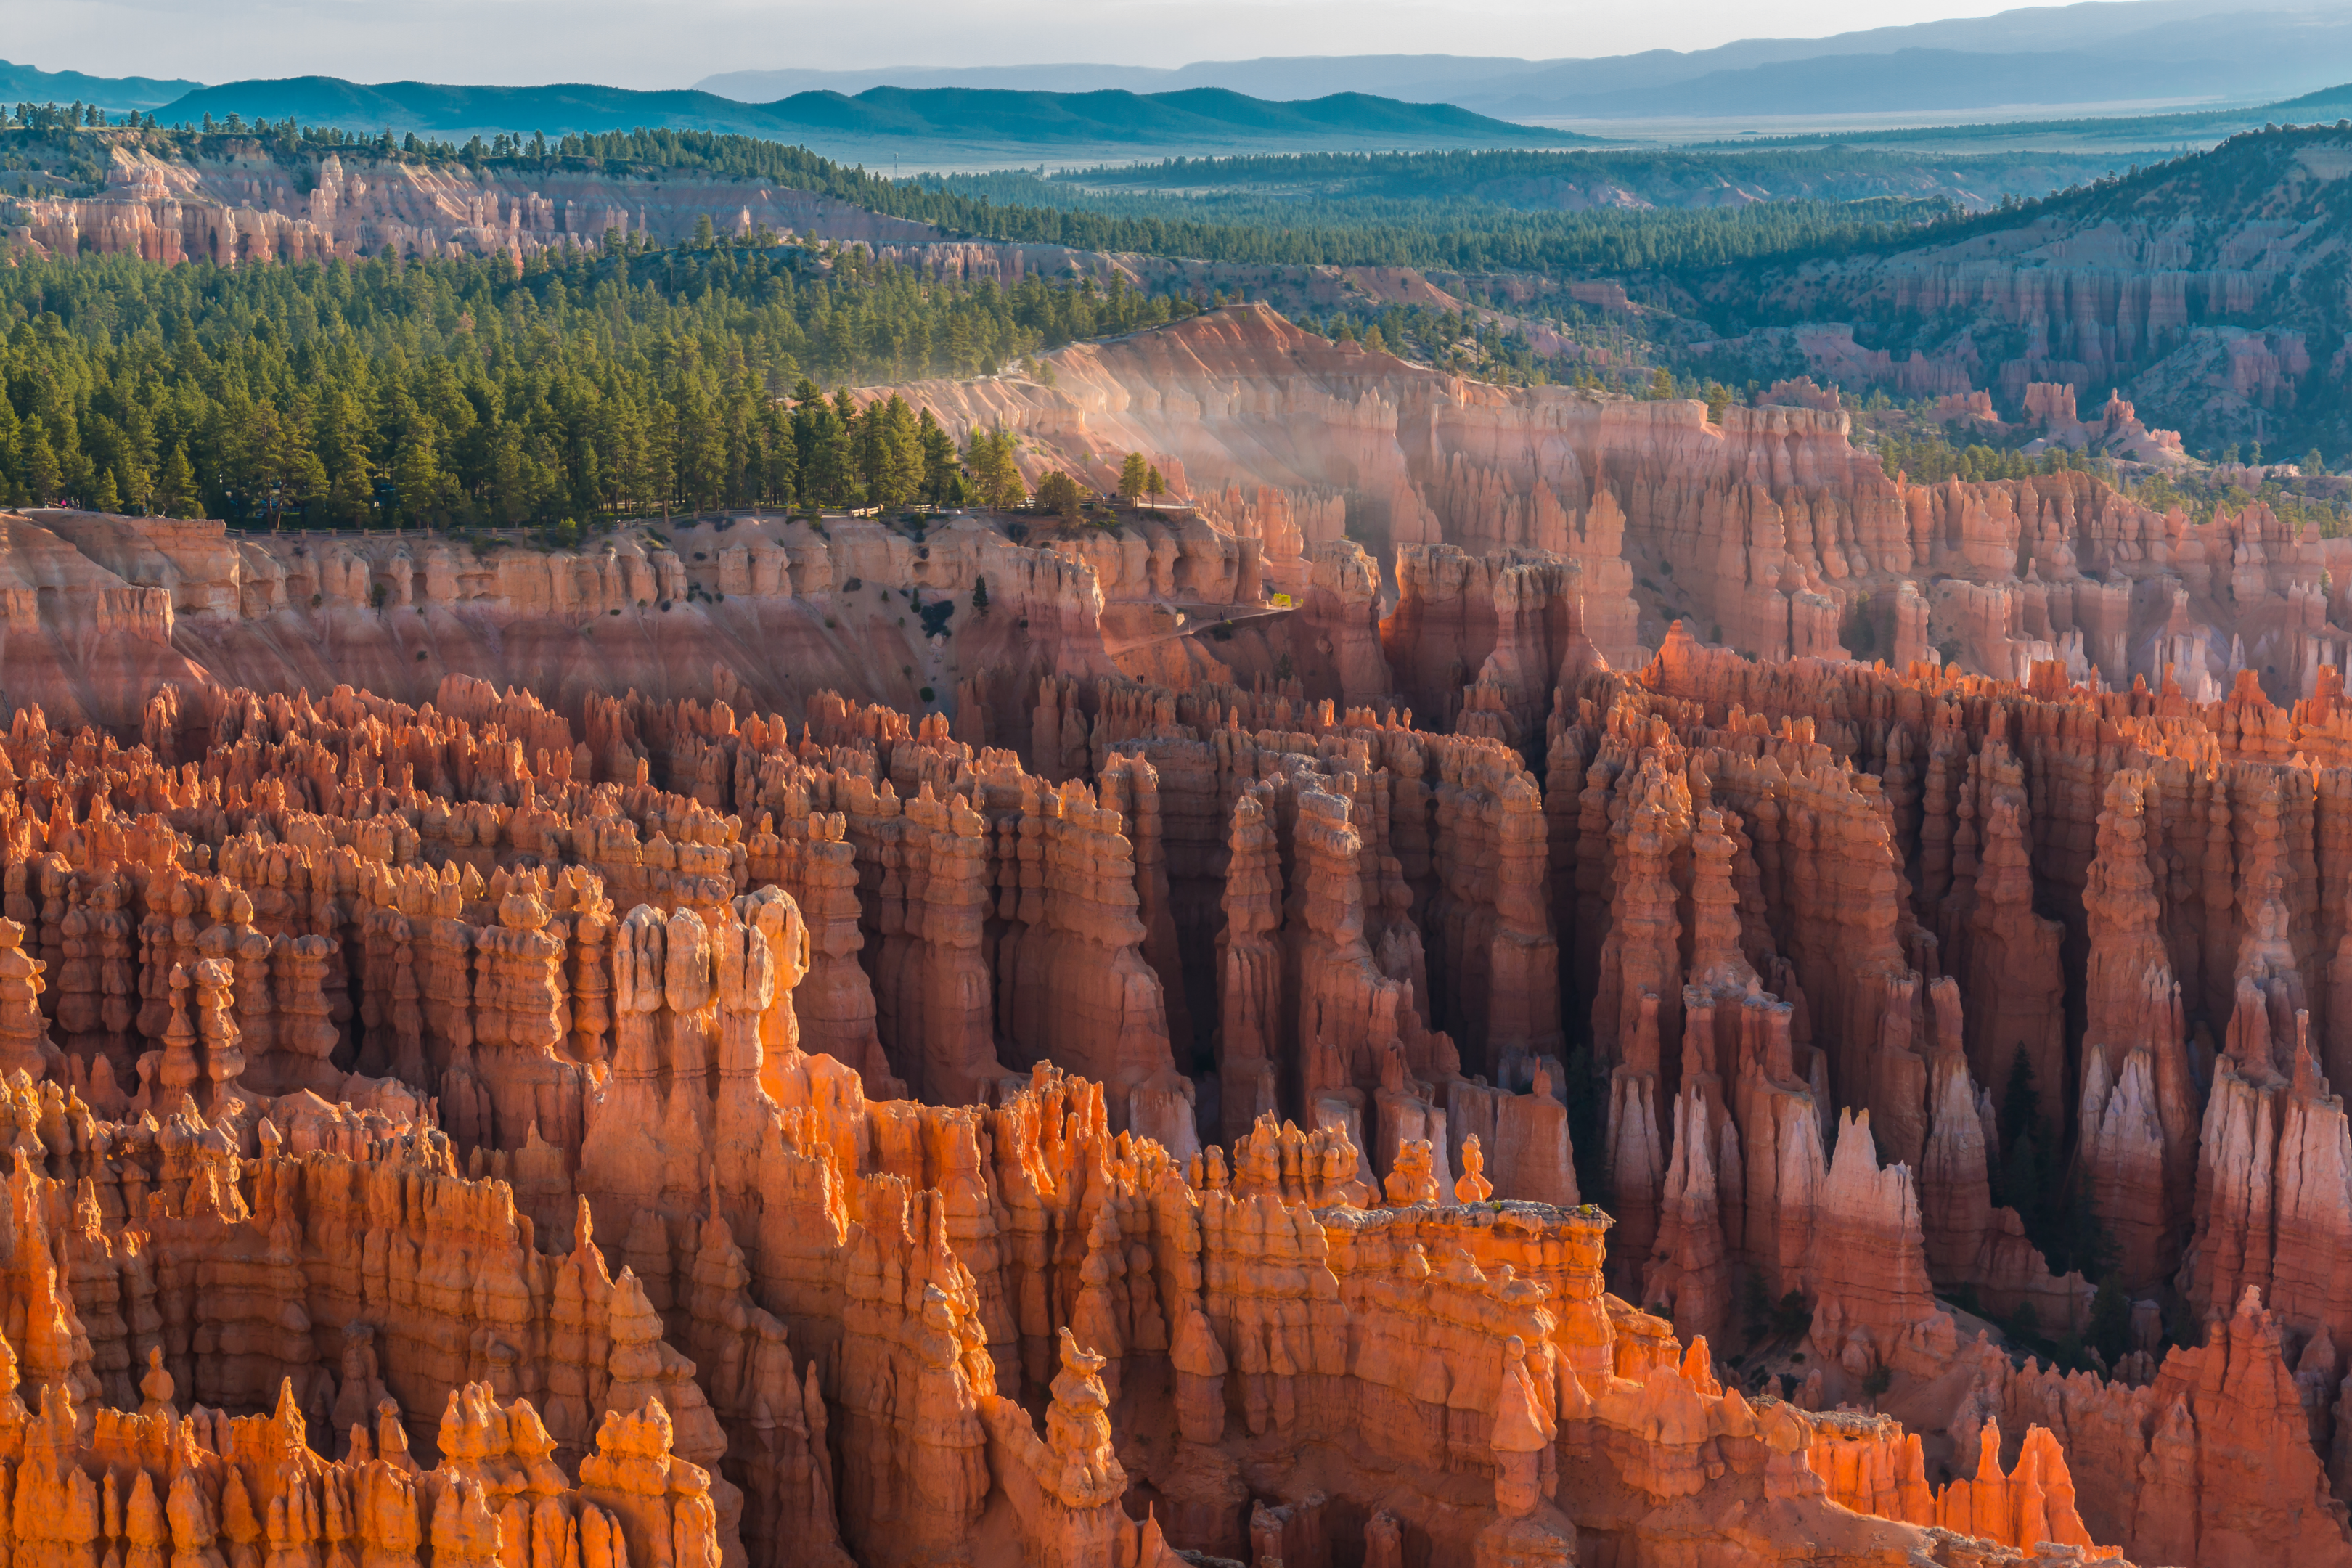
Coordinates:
675	43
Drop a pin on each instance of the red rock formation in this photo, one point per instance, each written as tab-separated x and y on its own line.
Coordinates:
2008	955
986	1317
2139	1125
1342	620
2271	1189
1076	980
2197	1463
23	1035
1250	979
1691	1272
495	1489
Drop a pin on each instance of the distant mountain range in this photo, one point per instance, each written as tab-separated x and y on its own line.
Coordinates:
882	121
2107	57
115	94
2119	52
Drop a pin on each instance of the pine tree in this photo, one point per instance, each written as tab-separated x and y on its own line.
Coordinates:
779	469
994	469
942	481
899	454
416	481
701	449
43	476
343	449
1058	492
1153	485
1134	476
828	462
514	490
864	426
175	492
659	486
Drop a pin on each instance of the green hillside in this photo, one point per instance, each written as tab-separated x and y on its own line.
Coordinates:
2268	208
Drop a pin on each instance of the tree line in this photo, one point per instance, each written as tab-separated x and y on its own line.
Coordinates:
1430	227
1522	179
457	393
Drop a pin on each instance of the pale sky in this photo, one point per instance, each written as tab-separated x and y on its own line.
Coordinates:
675	43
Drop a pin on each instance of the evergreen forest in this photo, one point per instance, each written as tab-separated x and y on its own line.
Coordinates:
460	393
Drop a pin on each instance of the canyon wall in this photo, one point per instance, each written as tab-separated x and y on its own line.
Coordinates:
245	206
100	610
1763	530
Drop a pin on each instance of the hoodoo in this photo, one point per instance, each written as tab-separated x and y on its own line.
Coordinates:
1204	1174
